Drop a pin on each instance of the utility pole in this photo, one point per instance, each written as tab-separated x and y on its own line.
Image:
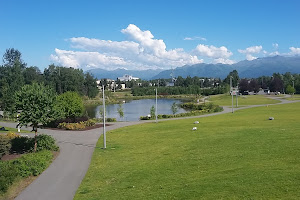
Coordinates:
104	132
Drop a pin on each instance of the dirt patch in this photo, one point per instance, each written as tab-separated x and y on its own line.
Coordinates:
10	157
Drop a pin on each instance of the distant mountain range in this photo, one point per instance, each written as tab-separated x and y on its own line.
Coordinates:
247	69
114	74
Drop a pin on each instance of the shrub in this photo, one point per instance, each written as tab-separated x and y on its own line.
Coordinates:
5	145
111	119
7	176
22	144
25	144
46	142
55	124
144	118
90	122
71	104
197	110
72	126
100	120
12	135
27	165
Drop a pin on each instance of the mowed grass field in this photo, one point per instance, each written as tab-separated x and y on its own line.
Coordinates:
294	97
225	100
231	156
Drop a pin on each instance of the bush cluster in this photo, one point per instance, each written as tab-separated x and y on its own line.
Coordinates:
195	109
54	124
14	143
77	126
5	145
109	119
26	144
27	165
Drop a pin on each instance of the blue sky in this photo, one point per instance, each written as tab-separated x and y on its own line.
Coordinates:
153	34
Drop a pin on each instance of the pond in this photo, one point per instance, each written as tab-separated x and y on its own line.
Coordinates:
135	108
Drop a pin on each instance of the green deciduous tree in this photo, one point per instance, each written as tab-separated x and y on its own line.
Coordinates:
174	108
90	86
71	104
152	111
235	78
121	111
11	56
37	105
290	89
32	74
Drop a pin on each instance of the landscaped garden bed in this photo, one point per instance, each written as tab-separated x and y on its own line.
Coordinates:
19	161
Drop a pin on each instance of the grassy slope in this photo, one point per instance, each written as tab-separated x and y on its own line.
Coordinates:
232	156
225	100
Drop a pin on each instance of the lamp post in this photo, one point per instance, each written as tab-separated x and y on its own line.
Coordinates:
104	133
231	94
237	92
293	86
156	105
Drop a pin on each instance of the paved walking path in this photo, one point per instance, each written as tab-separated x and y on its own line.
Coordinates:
61	180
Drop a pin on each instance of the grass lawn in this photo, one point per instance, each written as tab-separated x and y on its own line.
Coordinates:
294	97
232	156
14	130
225	100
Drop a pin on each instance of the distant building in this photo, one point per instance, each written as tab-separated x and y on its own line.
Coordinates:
127	77
123	86
170	84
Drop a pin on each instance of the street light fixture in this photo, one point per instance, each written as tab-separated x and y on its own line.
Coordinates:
104	131
294	87
156	105
231	93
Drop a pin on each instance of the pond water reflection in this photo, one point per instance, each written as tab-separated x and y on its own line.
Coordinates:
135	108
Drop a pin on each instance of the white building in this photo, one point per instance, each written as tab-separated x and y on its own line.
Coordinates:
127	77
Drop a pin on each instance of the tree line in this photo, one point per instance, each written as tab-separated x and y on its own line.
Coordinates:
14	74
284	83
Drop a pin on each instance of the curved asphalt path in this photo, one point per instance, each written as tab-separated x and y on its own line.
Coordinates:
61	180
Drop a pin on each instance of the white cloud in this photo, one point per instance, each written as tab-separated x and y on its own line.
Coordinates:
85	60
143	52
250	51
224	61
212	51
294	51
275	45
250	57
195	38
275	53
104	45
145	38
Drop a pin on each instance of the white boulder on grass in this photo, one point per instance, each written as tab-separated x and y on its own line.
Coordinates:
194	128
